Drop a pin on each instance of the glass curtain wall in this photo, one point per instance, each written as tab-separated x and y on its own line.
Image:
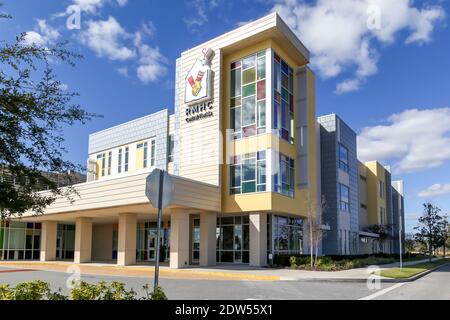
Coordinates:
284	179
286	235
248	96
20	240
248	173
283	100
233	238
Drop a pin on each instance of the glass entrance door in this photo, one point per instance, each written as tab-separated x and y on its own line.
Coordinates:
151	245
233	239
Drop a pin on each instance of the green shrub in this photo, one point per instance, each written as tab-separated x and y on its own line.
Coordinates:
293	262
39	290
157	294
304	261
101	291
6	292
324	261
117	291
31	290
86	291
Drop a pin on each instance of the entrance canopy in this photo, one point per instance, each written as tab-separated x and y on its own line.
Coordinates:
105	199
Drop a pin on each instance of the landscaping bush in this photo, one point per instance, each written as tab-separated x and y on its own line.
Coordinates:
32	290
101	291
293	262
39	290
157	294
327	263
282	260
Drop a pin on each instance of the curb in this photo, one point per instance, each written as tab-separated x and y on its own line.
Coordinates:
93	270
419	275
382	280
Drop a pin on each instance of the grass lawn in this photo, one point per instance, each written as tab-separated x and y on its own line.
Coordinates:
409	271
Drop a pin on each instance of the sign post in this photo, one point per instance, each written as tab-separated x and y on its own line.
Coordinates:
159	190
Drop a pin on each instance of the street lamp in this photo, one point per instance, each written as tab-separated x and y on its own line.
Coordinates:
400	229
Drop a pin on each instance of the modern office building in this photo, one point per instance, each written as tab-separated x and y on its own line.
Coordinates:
339	177
247	158
381	210
242	150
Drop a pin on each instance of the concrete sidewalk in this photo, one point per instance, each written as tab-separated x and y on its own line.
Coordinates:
221	272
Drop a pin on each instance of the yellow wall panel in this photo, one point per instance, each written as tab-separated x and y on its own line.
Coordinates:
267	200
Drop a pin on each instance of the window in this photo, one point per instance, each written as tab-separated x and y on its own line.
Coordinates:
343	158
248	173
381	187
284	179
382	216
248	96
19	240
142	155
109	162
287	235
354	243
119	162
344	198
153	151
101	164
127	149
283	104
345	242
171	146
364	206
362	177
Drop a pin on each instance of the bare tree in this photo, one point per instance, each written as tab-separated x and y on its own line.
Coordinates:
315	230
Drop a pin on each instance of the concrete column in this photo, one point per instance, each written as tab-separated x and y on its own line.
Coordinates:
83	240
208	223
48	240
258	239
179	238
126	254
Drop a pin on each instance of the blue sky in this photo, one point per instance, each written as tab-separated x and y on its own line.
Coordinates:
381	65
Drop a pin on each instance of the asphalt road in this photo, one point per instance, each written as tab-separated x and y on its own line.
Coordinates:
433	286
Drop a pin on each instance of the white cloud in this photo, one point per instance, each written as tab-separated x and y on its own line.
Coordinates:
435	190
109	39
106	38
89	6
44	34
342	34
122	3
201	8
151	62
414	139
348	86
123	71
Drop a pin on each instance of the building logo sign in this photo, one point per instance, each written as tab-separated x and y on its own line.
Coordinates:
198	88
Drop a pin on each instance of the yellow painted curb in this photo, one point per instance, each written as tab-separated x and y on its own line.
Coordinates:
92	268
